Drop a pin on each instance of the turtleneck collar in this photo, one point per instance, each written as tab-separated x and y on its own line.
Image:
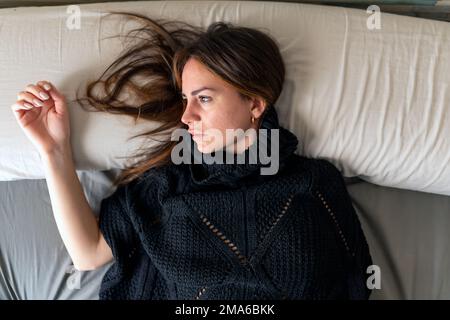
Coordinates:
233	174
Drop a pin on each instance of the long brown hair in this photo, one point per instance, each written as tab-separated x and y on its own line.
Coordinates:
246	58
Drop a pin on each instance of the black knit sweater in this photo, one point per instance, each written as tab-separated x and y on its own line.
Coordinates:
224	231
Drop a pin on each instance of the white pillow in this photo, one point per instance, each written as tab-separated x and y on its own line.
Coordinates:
373	102
376	102
48	50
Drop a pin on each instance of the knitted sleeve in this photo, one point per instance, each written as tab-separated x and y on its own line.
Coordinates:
330	190
115	224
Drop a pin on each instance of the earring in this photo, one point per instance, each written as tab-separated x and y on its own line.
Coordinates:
253	119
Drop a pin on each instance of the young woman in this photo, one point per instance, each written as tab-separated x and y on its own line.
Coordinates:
202	230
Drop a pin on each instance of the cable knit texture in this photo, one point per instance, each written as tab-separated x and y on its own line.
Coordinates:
225	231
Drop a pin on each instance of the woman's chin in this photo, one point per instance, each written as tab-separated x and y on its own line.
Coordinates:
206	149
204	145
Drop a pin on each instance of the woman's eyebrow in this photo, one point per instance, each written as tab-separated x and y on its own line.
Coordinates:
193	93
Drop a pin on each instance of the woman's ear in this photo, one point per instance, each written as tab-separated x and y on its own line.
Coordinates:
258	107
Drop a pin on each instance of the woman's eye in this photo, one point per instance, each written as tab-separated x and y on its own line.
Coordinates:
204	99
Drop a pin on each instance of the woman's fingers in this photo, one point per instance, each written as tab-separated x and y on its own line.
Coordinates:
45	84
18	112
38	91
29	98
21	105
24	112
43	94
35	95
58	97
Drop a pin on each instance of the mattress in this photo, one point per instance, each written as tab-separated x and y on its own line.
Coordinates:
407	233
34	263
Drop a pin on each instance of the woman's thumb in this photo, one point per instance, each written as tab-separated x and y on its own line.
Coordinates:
60	101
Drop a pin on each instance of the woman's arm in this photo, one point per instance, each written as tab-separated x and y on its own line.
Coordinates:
42	113
75	220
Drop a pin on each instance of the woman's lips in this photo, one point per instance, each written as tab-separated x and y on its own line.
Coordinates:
195	133
198	136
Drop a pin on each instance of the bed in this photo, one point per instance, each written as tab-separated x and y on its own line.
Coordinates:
407	232
406	229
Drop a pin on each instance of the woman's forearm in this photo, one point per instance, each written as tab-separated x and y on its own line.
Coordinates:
74	217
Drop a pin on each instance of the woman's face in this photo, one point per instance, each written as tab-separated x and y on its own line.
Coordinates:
211	103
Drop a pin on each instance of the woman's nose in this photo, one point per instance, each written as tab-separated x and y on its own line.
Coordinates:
189	115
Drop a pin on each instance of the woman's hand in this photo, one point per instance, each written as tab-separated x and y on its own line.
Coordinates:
42	113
